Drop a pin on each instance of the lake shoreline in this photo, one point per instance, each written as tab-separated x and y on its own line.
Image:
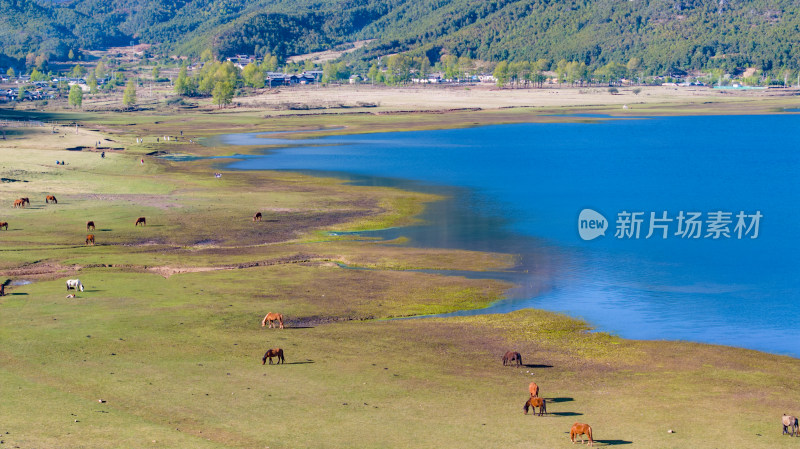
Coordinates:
497	228
175	356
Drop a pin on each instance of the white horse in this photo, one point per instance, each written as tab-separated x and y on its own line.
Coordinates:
74	284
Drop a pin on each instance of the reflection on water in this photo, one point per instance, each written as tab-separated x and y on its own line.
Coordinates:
519	189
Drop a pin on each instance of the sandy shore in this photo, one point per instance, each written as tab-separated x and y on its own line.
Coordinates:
421	98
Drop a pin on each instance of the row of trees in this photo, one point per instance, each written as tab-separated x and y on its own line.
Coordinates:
218	79
75	98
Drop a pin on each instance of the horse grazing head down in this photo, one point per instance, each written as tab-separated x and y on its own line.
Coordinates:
275	352
257	216
789	425
90	225
535	402
74	284
90	239
4	224
271	318
581	429
51	199
512	357
140	221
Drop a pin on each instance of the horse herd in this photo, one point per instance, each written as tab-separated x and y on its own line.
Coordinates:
789	422
511	358
90	226
271	318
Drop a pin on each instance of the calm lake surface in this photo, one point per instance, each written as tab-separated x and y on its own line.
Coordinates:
520	189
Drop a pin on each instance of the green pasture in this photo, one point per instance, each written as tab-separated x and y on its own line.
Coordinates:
163	348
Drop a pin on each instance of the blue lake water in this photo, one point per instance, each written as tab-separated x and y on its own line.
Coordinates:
520	189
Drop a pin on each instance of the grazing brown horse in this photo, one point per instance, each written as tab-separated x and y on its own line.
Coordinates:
581	429
535	402
51	199
271	317
90	225
19	203
789	425
257	216
140	220
511	357
90	239
4	224
26	201
534	389
275	352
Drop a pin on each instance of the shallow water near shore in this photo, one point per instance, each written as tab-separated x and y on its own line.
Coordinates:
520	189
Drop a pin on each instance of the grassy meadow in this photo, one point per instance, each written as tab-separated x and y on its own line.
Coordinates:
163	348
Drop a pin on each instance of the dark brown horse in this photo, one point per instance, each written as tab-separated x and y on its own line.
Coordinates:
275	352
533	402
4	224
534	389
51	199
90	239
140	220
90	225
26	201
257	216
3	287
272	317
581	429
512	357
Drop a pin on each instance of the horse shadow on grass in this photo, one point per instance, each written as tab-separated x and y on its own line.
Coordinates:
532	365
298	363
613	442
16	294
565	414
105	230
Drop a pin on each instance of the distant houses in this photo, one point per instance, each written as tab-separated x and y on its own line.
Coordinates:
439	78
241	61
275	79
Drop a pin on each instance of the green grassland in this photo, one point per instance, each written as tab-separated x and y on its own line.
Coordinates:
163	348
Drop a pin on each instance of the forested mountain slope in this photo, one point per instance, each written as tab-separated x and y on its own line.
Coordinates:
688	34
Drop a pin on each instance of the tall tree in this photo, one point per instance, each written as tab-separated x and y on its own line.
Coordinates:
222	94
100	70
129	96
92	83
501	73
253	75
75	96
183	85
78	71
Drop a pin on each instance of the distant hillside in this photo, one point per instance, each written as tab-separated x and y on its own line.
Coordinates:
687	34
27	26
